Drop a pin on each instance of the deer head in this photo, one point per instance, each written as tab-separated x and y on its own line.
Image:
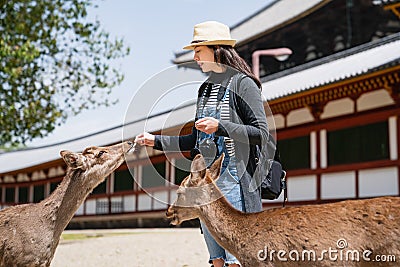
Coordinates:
97	161
196	190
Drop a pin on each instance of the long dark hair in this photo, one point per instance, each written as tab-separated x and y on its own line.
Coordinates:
227	55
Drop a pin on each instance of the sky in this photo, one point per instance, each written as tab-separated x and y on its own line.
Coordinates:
154	31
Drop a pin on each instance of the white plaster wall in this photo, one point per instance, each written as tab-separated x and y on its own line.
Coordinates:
279	120
173	195
144	202
302	188
129	203
338	185
374	99
80	210
271	122
91	206
337	108
378	182
299	116
161	200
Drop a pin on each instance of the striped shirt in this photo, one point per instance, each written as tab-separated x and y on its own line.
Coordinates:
211	104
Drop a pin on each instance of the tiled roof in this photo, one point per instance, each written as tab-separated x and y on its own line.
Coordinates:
353	62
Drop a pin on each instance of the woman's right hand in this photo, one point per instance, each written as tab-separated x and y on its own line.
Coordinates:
145	139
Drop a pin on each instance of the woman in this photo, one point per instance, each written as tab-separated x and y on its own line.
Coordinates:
230	119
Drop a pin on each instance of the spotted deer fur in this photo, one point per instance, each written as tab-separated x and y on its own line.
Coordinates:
298	232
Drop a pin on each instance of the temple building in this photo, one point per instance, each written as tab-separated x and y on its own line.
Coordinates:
335	102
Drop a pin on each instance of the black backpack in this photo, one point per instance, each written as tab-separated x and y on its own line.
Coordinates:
274	182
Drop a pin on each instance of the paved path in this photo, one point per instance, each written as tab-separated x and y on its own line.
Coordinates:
172	247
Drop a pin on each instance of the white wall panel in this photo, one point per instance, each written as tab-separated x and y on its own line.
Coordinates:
91	206
279	121
161	200
378	182
299	116
302	188
374	99
338	185
338	108
129	203
80	210
144	202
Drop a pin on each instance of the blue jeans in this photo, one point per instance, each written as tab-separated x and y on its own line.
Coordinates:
229	185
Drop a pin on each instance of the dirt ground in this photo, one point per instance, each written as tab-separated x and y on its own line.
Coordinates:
172	247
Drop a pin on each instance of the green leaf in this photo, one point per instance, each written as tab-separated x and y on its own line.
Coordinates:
51	56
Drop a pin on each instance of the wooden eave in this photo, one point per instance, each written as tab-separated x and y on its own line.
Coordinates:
31	169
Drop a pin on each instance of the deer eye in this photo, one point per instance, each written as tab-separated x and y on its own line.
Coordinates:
100	154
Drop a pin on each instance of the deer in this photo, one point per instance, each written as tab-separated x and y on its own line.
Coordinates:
30	233
344	233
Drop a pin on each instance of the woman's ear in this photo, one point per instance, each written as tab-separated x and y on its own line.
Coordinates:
73	160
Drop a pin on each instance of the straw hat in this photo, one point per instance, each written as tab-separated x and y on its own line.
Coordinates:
211	33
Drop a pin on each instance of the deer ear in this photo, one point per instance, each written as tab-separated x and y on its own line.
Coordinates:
73	160
215	168
198	168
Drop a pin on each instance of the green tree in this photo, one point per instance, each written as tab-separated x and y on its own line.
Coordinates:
54	62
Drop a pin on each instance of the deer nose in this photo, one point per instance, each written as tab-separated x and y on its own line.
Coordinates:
130	143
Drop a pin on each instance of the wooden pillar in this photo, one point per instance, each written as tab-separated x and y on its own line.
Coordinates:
318	165
398	150
357	181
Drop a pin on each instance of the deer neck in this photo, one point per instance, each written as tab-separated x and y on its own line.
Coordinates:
223	221
62	204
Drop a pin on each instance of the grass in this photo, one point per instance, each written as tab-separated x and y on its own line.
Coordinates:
82	236
79	236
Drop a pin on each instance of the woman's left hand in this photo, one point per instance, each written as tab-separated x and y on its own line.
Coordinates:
207	125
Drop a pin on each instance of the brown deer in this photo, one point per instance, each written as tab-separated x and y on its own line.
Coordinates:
29	233
348	233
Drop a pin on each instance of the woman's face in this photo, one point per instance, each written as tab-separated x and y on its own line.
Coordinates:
204	56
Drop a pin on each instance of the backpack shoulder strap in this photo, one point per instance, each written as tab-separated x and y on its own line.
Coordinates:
237	79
